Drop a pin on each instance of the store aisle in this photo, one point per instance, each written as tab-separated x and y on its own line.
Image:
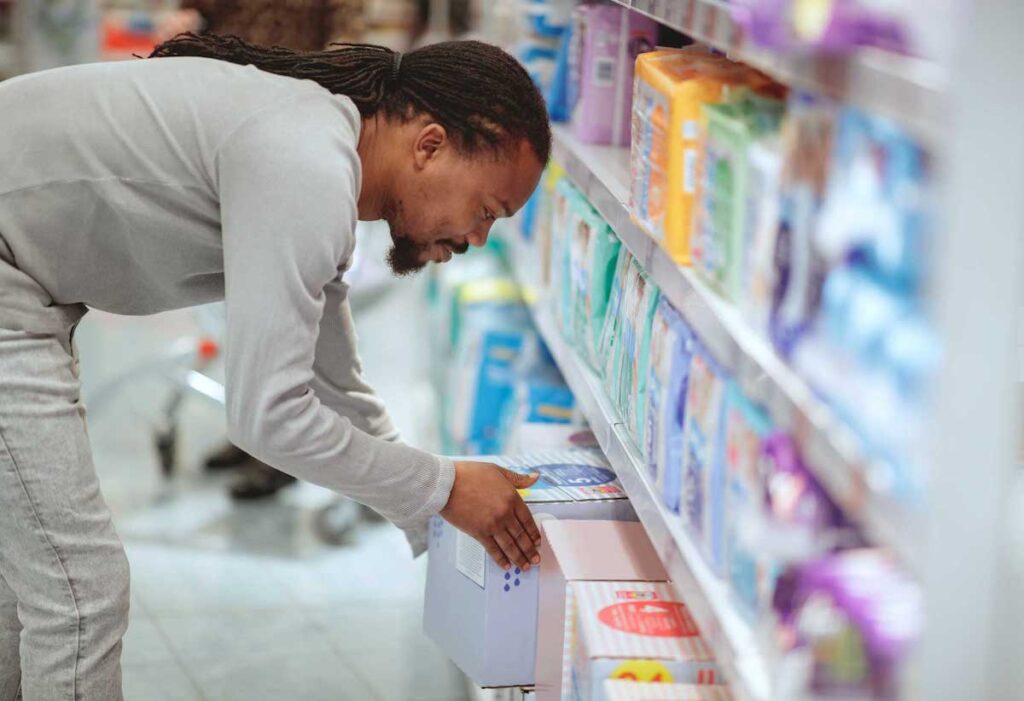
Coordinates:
244	602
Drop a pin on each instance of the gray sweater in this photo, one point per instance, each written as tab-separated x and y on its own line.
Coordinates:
144	186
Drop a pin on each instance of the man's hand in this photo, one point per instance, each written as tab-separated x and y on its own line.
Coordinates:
485	504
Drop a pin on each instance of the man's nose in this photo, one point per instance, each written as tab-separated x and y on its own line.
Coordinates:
479	236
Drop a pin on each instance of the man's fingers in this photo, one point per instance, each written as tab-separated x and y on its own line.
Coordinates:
525	517
511	549
525	543
495	552
518	480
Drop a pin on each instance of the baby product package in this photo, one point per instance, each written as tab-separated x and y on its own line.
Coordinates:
611	37
539	395
638	356
751	574
757	270
594	251
485	618
874	615
545	220
560	291
670	88
800	267
627	304
731	128
581	551
702	500
613	317
668	337
628	690
635	630
671	445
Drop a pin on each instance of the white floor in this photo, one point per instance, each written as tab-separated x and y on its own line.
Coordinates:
243	601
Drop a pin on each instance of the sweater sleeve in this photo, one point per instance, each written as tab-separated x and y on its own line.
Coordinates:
288	180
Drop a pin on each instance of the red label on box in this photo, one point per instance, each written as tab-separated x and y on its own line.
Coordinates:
659	619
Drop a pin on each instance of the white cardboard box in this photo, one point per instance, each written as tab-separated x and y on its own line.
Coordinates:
485	619
623	690
635	630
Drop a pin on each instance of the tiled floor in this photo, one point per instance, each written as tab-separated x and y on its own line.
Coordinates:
244	601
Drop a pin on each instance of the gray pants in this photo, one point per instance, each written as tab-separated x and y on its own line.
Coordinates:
63	570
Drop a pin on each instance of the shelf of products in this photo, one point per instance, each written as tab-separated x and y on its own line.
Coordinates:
705	595
830	448
907	89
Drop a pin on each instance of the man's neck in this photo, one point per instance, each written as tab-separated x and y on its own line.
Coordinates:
372	156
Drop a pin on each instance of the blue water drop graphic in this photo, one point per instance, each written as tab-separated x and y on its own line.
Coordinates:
507	587
507	576
517	582
518	571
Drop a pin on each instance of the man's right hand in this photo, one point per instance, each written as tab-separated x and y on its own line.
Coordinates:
485	504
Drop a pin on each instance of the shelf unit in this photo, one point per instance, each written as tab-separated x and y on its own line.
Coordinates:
906	89
966	111
829	447
706	596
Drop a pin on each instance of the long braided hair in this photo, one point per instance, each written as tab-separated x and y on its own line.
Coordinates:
477	92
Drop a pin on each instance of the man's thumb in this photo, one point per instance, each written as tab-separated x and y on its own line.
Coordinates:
519	480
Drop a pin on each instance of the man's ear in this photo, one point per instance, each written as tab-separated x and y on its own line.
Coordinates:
429	143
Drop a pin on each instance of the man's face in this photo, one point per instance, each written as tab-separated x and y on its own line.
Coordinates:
447	201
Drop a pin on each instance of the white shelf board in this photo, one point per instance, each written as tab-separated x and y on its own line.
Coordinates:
706	596
829	447
906	89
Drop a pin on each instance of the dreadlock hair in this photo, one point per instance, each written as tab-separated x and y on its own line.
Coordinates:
480	94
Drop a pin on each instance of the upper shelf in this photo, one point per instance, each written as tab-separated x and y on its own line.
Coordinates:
830	448
905	89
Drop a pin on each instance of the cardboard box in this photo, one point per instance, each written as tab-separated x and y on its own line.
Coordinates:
485	619
636	630
581	550
622	690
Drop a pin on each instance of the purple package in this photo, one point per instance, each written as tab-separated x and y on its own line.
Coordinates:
612	37
857	615
842	28
803	522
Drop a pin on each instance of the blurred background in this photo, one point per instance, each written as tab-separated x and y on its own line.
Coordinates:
876	338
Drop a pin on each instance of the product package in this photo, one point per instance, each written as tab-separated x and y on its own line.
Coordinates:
751	574
702	499
669	339
540	395
490	327
851	619
670	88
624	287
635	630
757	269
577	551
872	349
544	219
594	250
807	133
562	213
485	618
731	129
636	356
672	442
627	690
611	37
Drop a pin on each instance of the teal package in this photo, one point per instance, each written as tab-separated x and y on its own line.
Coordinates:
749	571
620	379
643	365
593	284
613	317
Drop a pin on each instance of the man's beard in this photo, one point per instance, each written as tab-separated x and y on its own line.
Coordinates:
406	256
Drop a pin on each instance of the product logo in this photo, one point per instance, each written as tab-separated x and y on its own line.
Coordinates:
655	619
569	475
643	671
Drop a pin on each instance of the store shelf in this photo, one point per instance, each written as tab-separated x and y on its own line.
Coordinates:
705	594
908	90
829	447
